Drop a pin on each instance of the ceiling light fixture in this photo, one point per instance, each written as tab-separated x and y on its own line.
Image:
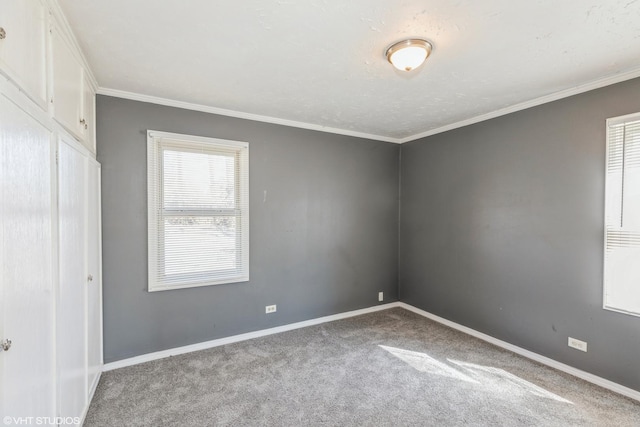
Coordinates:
409	54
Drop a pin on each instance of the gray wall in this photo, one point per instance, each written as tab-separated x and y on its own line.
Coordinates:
325	240
502	230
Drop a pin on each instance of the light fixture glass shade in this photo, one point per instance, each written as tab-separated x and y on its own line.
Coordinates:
408	54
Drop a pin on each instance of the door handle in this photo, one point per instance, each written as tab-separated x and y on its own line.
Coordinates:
5	345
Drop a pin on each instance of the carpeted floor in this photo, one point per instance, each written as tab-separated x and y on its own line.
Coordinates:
390	368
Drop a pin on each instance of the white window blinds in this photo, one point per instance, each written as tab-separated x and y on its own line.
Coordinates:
622	216
198	211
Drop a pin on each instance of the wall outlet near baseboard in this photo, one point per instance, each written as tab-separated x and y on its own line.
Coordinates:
580	345
270	309
380	296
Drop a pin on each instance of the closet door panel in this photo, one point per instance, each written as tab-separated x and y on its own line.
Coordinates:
71	338
94	278
27	369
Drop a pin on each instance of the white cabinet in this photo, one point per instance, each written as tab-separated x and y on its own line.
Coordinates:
73	95
50	269
50	274
88	115
94	277
68	89
27	369
79	327
71	326
23	46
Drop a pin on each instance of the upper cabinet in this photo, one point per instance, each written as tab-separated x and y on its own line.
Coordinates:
73	96
39	55
67	86
23	46
88	115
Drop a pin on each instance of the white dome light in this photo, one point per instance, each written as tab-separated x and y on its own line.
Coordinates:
409	54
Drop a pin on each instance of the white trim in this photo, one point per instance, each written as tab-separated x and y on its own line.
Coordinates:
615	125
16	96
594	379
224	143
92	392
157	143
595	84
238	114
612	121
242	337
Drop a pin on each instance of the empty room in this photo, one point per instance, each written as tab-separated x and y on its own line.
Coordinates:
319	213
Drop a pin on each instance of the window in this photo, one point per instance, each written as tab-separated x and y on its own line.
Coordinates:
622	216
198	195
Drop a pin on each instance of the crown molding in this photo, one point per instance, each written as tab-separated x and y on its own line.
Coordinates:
595	84
239	114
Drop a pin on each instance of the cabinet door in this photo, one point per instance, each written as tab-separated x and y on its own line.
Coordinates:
88	116
27	370
67	87
23	46
94	278
71	307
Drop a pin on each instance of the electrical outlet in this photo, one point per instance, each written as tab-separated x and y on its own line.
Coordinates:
270	309
380	296
580	345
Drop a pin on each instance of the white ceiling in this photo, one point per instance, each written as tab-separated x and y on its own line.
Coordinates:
320	63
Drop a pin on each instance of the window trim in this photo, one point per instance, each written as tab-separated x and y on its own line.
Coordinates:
156	141
610	123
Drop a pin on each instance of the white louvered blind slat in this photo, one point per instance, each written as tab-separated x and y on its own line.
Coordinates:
622	216
198	193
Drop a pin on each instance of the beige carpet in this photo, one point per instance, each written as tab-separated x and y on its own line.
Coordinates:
390	368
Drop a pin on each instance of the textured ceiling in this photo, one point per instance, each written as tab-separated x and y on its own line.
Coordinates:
320	62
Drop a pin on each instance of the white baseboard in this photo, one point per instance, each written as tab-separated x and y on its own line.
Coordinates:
610	385
242	337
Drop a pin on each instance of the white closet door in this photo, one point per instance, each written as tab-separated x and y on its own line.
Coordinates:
71	330
94	278
27	369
